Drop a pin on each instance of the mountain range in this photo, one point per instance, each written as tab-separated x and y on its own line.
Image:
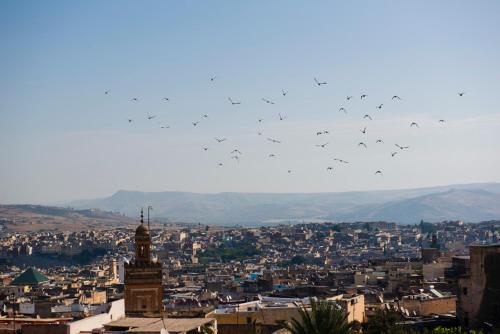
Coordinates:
468	202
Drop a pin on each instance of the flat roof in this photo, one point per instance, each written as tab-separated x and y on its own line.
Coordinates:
154	325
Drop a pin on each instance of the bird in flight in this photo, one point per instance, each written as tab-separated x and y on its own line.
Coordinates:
393	154
165	126
212	79
107	92
205	148
362	144
259	133
367	116
236	151
379	141
322	145
341	161
235	157
272	155
319	83
220	140
267	101
395	97
166	99
442	121
289	171
401	147
379	107
205	116
151	117
378	172
343	109
364	130
274	140
461	93
281	117
329	168
319	133
414	124
135	99
363	96
220	164
284	92
348	98
233	102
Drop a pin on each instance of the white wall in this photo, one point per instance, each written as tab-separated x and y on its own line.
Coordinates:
116	311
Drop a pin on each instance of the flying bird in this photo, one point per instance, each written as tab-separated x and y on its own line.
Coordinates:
195	123
379	141
367	116
220	164
236	151
395	97
341	161
272	155
235	157
259	133
379	107
362	144
343	109
233	102
130	120
107	92
135	99
212	79
442	121
166	99
205	116
284	92
319	83
393	154
274	140
220	140
401	147
267	101
260	120
281	117
378	172
151	116
165	126
414	124
205	148
348	98
319	133
322	145
289	171
363	96
461	93
364	130
329	168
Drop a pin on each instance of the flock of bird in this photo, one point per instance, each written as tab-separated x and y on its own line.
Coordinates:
236	154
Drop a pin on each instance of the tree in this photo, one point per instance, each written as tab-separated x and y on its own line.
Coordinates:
383	322
323	317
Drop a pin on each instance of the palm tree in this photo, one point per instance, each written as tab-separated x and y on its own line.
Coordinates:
322	318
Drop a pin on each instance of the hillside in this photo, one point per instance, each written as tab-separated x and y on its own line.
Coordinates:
22	218
470	202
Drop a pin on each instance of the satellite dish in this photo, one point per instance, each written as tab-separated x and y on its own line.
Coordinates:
163	331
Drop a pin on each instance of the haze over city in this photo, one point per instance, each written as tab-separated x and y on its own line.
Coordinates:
74	74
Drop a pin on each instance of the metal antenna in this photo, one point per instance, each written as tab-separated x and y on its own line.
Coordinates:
149	208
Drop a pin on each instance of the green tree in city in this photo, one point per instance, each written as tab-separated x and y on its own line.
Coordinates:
322	317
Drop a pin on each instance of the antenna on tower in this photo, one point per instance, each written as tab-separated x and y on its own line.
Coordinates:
149	208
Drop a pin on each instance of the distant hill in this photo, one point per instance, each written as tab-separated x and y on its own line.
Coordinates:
469	202
25	217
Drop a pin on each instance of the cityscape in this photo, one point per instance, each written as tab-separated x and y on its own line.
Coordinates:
228	167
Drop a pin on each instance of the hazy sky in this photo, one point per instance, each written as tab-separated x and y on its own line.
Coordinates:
62	138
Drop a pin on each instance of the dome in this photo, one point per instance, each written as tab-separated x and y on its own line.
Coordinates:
142	230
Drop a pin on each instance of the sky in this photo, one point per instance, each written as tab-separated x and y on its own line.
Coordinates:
62	138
